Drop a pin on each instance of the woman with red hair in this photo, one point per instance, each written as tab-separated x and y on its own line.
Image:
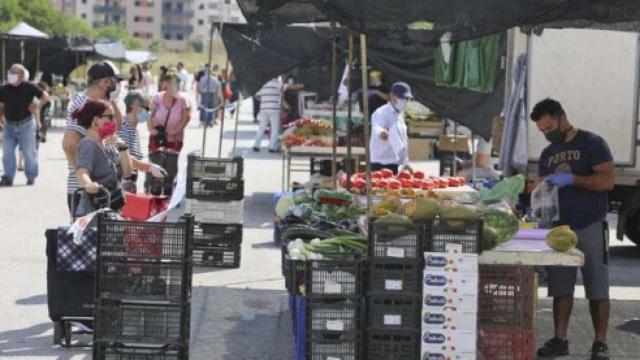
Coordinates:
102	158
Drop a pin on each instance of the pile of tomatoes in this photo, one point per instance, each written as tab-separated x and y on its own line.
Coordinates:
384	179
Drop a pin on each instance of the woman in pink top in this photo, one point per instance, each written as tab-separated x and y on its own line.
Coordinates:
170	114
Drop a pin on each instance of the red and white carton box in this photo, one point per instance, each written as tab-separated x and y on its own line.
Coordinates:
436	282
449	341
447	355
450	302
437	320
451	262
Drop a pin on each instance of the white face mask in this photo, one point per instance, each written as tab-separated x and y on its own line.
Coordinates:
13	78
401	104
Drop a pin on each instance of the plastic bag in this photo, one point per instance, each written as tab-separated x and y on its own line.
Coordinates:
501	218
505	190
544	203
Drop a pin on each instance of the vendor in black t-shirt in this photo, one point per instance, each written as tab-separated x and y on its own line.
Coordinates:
16	112
580	164
378	93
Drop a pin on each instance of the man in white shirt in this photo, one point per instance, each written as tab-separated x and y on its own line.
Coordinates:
270	96
184	76
483	168
389	141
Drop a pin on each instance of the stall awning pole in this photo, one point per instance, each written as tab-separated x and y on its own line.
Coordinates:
349	110
37	59
334	87
224	105
365	114
235	130
208	69
4	60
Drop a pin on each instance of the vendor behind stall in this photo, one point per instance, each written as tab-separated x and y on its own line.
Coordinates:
389	141
580	164
482	158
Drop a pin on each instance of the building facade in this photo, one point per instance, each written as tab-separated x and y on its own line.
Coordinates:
174	21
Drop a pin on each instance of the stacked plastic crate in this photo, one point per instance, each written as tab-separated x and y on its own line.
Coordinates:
215	193
143	290
450	289
506	312
394	291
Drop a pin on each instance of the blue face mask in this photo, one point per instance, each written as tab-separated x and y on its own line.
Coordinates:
143	116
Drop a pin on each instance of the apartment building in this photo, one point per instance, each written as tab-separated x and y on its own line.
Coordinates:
175	21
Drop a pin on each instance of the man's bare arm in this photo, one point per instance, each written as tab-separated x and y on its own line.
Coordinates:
602	179
70	144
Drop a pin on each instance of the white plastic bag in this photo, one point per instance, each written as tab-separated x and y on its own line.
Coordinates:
544	203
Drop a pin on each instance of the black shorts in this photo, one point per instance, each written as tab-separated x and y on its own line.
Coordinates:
378	166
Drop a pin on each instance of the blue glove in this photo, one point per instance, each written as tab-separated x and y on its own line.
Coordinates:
560	180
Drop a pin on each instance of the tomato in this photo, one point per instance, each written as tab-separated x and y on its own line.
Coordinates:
405	174
384	183
342	181
360	184
375	183
462	180
417	183
454	182
407	183
360	175
427	185
386	173
418	174
395	184
376	175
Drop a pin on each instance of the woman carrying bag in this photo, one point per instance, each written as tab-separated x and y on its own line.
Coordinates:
102	158
170	114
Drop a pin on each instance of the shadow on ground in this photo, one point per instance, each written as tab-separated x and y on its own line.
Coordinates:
258	210
36	341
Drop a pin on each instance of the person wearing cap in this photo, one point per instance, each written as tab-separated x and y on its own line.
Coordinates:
378	92
102	84
389	141
16	104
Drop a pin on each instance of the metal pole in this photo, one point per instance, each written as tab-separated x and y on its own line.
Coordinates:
454	169
473	158
224	103
208	69
4	60
334	87
235	130
37	58
365	114
349	106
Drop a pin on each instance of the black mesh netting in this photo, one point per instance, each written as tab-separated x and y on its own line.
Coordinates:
426	20
307	51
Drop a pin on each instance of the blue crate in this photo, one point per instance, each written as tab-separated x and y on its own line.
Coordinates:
300	327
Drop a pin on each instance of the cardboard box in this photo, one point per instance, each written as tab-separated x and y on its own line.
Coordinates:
426	128
496	131
447	143
448	355
436	320
450	302
452	341
451	263
419	149
438	282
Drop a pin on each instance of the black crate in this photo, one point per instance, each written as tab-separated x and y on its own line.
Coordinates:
144	241
216	235
466	232
400	241
335	278
118	352
338	319
395	276
393	344
293	271
199	168
121	280
331	348
215	189
394	312
141	323
226	257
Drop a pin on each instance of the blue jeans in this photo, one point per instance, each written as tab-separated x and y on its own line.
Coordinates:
22	135
207	106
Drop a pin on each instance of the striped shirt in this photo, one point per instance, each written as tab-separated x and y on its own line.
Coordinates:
130	136
271	96
77	103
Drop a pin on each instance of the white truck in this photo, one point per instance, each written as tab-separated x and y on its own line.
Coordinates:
595	74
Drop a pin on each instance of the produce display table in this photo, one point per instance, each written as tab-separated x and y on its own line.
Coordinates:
530	253
357	153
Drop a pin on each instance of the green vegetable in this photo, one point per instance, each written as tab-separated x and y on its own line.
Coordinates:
284	206
505	223
456	217
333	197
489	237
333	247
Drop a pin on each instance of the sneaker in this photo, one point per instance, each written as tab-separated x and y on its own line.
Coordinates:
599	351
20	168
554	348
30	182
5	182
256	149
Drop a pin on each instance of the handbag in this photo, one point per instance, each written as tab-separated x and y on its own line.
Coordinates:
161	138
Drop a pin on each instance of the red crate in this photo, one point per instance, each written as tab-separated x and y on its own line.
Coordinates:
507	296
505	343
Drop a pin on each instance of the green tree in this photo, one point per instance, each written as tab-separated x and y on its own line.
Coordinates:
42	15
157	45
115	32
196	45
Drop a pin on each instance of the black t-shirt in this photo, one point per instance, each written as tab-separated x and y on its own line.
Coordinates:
375	101
578	207
16	100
